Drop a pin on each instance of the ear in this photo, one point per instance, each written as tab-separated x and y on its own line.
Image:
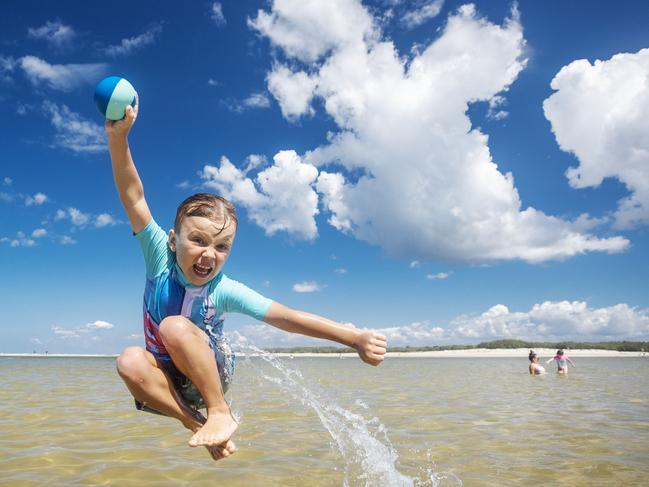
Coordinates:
172	240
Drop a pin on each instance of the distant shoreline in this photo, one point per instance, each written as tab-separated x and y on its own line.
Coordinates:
464	353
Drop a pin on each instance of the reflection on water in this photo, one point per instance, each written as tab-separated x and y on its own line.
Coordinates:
479	422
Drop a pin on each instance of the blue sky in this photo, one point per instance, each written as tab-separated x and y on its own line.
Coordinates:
441	171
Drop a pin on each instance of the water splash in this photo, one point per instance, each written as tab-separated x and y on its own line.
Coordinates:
369	457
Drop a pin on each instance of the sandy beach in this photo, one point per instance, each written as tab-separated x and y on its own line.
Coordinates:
465	353
482	353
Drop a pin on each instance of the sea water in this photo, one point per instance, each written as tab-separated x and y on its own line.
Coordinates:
337	422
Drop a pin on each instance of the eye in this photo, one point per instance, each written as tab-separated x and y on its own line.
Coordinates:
222	247
197	240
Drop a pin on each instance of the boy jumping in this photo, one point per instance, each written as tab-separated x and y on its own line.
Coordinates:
187	364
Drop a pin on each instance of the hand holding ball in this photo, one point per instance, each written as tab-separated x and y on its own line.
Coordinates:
113	95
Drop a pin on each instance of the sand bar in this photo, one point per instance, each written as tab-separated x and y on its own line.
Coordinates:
544	353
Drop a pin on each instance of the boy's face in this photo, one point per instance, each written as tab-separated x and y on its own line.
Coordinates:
201	247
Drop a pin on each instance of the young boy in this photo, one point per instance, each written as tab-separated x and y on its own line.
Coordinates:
187	363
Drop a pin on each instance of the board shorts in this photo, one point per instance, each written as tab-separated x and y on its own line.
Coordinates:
225	362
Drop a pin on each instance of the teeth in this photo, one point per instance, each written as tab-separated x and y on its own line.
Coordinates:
202	270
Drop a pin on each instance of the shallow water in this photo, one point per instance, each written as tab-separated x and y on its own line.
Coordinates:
419	422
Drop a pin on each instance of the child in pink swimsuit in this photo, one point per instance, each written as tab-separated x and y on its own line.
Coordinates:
562	362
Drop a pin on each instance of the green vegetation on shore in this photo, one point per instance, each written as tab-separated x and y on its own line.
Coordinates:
623	346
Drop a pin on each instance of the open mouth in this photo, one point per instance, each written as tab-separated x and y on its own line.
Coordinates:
202	271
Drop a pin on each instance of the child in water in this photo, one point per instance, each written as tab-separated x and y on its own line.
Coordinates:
562	362
535	368
187	363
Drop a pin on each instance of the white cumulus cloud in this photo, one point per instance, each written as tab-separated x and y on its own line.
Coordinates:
39	232
600	113
62	77
405	170
281	197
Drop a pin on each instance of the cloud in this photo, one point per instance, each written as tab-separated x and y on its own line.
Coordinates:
279	199
20	240
547	321
293	91
99	325
7	181
494	112
405	170
307	287
7	66
255	100
416	17
37	199
74	132
253	161
77	217
439	276
67	240
128	45
309	30
62	77
39	232
82	331
600	113
555	320
340	270
54	32
104	220
216	12
414	264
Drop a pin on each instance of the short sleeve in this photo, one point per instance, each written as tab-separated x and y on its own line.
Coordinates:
235	297
153	241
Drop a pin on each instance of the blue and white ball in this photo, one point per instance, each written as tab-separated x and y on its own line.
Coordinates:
113	95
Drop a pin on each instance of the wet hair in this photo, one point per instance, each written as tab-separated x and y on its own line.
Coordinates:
559	352
532	355
215	208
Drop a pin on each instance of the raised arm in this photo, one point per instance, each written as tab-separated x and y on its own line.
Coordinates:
128	183
370	345
570	361
549	360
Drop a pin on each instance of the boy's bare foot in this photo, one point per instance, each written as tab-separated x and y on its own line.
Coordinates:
217	430
222	451
217	452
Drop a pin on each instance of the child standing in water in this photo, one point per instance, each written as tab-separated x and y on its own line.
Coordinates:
187	363
562	360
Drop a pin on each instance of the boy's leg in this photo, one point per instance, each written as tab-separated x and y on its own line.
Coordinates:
149	385
191	353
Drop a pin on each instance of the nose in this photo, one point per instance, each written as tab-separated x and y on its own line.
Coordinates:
208	253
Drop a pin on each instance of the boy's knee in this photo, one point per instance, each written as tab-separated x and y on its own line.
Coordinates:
174	328
132	363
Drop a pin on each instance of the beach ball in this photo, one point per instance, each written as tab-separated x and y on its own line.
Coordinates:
113	95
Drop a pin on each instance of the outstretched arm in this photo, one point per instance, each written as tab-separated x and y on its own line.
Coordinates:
370	345
128	183
549	360
570	361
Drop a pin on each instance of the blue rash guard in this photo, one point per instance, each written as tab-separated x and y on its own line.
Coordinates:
169	293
